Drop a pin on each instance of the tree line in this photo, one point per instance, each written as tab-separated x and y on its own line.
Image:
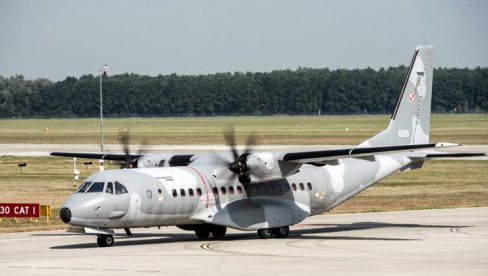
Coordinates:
301	91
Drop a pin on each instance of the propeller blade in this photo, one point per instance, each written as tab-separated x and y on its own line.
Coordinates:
230	139
251	141
245	179
124	140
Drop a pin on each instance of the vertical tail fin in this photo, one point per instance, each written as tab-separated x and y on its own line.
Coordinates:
410	122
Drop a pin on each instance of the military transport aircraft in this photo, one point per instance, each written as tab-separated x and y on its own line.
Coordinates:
266	191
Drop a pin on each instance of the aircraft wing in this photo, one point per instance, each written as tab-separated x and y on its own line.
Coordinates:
104	156
327	155
173	160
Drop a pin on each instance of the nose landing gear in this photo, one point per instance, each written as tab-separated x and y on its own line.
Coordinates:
105	240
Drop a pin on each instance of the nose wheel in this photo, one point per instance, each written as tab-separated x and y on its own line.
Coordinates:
105	240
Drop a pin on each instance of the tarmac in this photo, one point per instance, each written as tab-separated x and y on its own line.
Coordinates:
425	242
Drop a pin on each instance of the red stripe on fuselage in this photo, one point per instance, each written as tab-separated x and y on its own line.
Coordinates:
204	184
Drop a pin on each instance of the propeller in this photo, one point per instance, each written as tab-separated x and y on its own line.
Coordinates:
129	161
239	163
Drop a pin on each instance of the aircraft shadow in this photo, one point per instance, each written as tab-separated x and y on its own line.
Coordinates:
305	234
333	228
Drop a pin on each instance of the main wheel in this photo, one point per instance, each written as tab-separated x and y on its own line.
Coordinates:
218	231
281	232
105	240
265	233
202	232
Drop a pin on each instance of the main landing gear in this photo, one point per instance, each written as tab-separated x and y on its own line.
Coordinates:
204	231
280	232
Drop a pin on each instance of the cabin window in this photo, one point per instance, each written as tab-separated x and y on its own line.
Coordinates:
199	192
159	191
309	186
175	194
223	190
302	187
215	191
149	194
231	190
182	192
254	188
270	188
239	189
287	187
278	187
110	188
83	187
294	186
190	192
96	187
119	188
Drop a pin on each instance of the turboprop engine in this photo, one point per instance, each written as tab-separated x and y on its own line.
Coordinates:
264	166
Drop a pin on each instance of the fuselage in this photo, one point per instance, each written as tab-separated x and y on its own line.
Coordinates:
198	194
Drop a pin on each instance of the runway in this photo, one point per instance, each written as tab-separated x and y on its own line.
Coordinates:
447	242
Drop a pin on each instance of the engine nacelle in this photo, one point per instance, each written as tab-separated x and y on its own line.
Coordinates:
264	166
261	163
164	160
154	160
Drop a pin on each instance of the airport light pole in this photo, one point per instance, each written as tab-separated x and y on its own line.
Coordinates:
103	72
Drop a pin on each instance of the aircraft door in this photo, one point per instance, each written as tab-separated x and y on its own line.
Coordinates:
121	197
319	196
160	193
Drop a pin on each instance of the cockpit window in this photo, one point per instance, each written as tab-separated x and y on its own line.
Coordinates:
119	188
110	188
83	187
96	187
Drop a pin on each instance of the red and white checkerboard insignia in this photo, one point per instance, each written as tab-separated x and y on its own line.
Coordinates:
411	97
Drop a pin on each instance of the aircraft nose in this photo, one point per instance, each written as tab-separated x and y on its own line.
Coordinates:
65	214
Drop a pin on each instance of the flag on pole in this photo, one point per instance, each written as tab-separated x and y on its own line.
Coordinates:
104	70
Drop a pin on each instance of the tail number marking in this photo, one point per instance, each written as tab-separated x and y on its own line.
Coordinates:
403	133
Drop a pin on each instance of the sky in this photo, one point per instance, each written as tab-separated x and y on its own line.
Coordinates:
55	39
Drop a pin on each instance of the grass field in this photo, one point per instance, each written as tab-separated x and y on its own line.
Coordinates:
303	130
440	184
